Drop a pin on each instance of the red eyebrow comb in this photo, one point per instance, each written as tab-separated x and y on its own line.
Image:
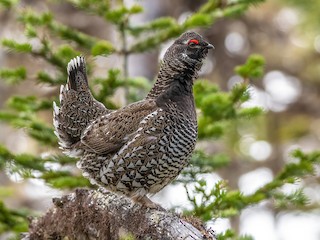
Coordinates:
195	41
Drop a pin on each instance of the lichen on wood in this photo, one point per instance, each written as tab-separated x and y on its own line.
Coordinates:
100	214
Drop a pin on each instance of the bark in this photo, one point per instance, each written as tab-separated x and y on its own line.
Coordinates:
99	214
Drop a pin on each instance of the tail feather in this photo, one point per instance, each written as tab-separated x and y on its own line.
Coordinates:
77	108
77	76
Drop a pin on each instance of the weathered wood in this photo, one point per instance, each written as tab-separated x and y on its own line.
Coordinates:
99	214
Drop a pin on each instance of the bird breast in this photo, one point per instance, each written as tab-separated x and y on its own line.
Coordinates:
160	149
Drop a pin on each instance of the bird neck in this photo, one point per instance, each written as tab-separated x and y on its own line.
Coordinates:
178	97
172	73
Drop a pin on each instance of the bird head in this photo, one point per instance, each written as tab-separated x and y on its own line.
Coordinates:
181	64
190	47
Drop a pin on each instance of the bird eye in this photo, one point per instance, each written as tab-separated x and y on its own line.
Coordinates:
193	42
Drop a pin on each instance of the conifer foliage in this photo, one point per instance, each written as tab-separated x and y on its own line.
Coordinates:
57	43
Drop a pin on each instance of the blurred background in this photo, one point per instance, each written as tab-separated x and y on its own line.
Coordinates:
285	32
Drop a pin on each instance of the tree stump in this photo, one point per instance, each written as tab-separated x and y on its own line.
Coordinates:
100	214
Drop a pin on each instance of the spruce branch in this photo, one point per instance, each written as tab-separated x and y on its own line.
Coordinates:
7	4
96	7
158	24
46	21
12	45
13	76
13	219
220	201
35	167
167	28
35	128
253	68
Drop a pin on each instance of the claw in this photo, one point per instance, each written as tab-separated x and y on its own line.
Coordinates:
145	201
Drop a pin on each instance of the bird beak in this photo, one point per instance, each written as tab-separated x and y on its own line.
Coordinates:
210	46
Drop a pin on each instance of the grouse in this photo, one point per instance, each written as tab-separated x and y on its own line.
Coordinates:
139	149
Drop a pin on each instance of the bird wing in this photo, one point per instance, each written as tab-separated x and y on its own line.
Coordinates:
110	132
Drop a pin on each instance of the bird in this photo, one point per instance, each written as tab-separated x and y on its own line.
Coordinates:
140	148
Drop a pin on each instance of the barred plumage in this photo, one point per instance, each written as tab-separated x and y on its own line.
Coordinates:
140	148
77	109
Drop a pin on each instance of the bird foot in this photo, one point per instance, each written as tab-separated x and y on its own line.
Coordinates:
145	201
